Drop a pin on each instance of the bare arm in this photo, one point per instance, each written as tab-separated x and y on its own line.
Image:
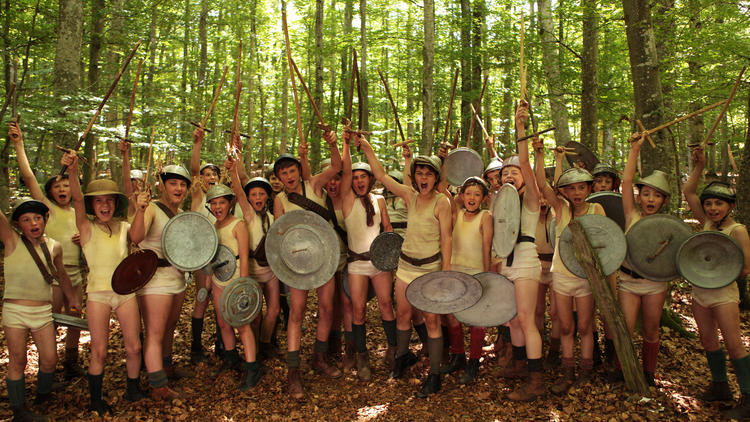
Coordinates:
76	196
487	229
402	191
247	210
443	214
144	215
531	196
243	247
127	185
304	162
385	220
7	235
319	180
278	207
16	135
541	178
195	156
244	178
628	198
690	188
346	162
74	304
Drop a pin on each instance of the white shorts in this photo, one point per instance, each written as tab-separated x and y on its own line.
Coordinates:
568	285
109	298
33	318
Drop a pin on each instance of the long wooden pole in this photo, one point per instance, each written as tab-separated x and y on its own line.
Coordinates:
237	94
393	105
309	96
450	107
350	105
132	99
216	96
150	153
479	120
300	131
479	106
724	110
523	66
685	117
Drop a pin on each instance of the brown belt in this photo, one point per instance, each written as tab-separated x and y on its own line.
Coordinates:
418	262
353	256
546	257
398	225
162	262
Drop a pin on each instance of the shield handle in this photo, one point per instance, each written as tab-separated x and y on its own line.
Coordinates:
663	246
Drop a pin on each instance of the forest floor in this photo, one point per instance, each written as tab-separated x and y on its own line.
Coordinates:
682	373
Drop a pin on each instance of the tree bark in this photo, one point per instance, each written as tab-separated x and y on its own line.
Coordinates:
203	37
466	71
363	65
589	75
743	180
67	69
315	139
95	48
116	44
478	11
284	95
551	63
253	56
428	65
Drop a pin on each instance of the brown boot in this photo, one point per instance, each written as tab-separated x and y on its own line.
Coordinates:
294	384
334	348
504	354
363	366
390	356
163	394
517	370
348	362
569	377
587	368
531	389
321	366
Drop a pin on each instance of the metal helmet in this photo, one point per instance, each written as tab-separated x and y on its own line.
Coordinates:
512	161
218	190
258	182
175	171
105	187
574	175
211	166
495	164
26	204
397	175
602	168
476	181
325	164
657	180
277	165
720	190
431	161
362	166
137	174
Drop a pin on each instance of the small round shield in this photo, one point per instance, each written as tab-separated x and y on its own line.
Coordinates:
653	243
70	321
223	265
506	213
612	204
496	306
580	156
710	260
605	237
552	231
241	301
444	292
189	241
134	271
385	251
348	291
302	249
462	163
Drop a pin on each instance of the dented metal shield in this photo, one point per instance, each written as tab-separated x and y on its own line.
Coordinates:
241	301
606	238
444	292
189	241
506	216
710	260
653	242
497	305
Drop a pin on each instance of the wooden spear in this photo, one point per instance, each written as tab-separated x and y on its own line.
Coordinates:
393	105
479	106
535	134
523	66
237	94
132	100
401	144
323	125
479	120
301	133
450	107
150	152
216	97
685	117
724	110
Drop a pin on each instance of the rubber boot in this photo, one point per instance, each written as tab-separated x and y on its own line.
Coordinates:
471	372
457	362
321	366
569	377
133	391
430	386
71	368
742	411
531	389
252	376
363	366
401	364
17	398
294	384
97	405
348	361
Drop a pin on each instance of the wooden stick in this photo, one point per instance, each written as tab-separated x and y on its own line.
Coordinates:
196	124
132	99
401	144
724	110
237	92
479	120
685	117
450	107
358	132
309	96
213	101
731	158
645	133
242	135
393	105
360	111
300	131
523	66
456	138
350	105
536	134
150	150
479	106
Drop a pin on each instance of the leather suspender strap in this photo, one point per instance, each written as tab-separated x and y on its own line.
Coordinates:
339	230
354	256
522	238
164	208
48	277
398	225
309	204
260	252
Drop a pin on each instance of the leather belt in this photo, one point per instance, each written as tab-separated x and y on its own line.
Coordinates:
418	262
398	225
354	256
162	262
521	239
546	257
630	272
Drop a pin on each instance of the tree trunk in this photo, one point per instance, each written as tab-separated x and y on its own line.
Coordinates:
477	141
284	96
67	70
315	139
203	66
95	48
589	75
743	180
410	130
551	63
253	56
116	37
466	71
649	107
363	65
186	129
346	71
428	65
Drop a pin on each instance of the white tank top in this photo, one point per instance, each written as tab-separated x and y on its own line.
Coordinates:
359	234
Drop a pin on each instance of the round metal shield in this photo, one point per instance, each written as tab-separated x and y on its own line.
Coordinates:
347	290
605	237
223	265
385	251
462	163
710	260
496	306
653	243
302	249
444	292
580	156
612	204
134	271
70	321
189	241
202	295
552	231
506	213
241	301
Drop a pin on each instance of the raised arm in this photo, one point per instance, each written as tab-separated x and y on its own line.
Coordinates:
304	161
541	178
690	188
443	214
7	235
628	198
319	180
14	132
195	155
142	220
406	153
385	220
76	196
232	165
346	163
531	196
402	191
127	185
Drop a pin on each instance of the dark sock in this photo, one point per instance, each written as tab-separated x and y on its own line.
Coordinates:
196	327
446	331
292	359
133	386
519	352
333	335
456	337
717	363
251	366
320	346
742	370
348	337
390	331
554	344
504	333
402	342
476	342
360	342
649	353
157	379
16	392
435	347
95	387
44	382
421	330
166	361
535	365
71	355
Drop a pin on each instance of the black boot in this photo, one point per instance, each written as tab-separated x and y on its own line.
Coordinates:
71	368
231	361
402	364
431	386
742	411
97	405
22	413
252	376
744	299
597	350
219	345
196	346
133	391
457	362
471	372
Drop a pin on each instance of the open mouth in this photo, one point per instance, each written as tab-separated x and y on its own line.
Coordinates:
258	205
35	231
423	186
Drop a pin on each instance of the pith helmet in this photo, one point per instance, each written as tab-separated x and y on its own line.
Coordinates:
282	158
495	164
218	190
136	174
476	181
574	175
657	180
719	190
175	171
512	161
602	168
212	166
105	187
26	204
362	166
395	174
432	162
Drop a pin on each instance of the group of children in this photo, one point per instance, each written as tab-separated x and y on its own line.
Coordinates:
441	232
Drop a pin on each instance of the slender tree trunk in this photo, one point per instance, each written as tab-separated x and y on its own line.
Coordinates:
185	70
95	48
203	37
410	130
466	71
743	180
478	11
284	96
114	58
551	63
152	45
315	140
428	65
67	70
253	58
589	75
363	65
346	71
